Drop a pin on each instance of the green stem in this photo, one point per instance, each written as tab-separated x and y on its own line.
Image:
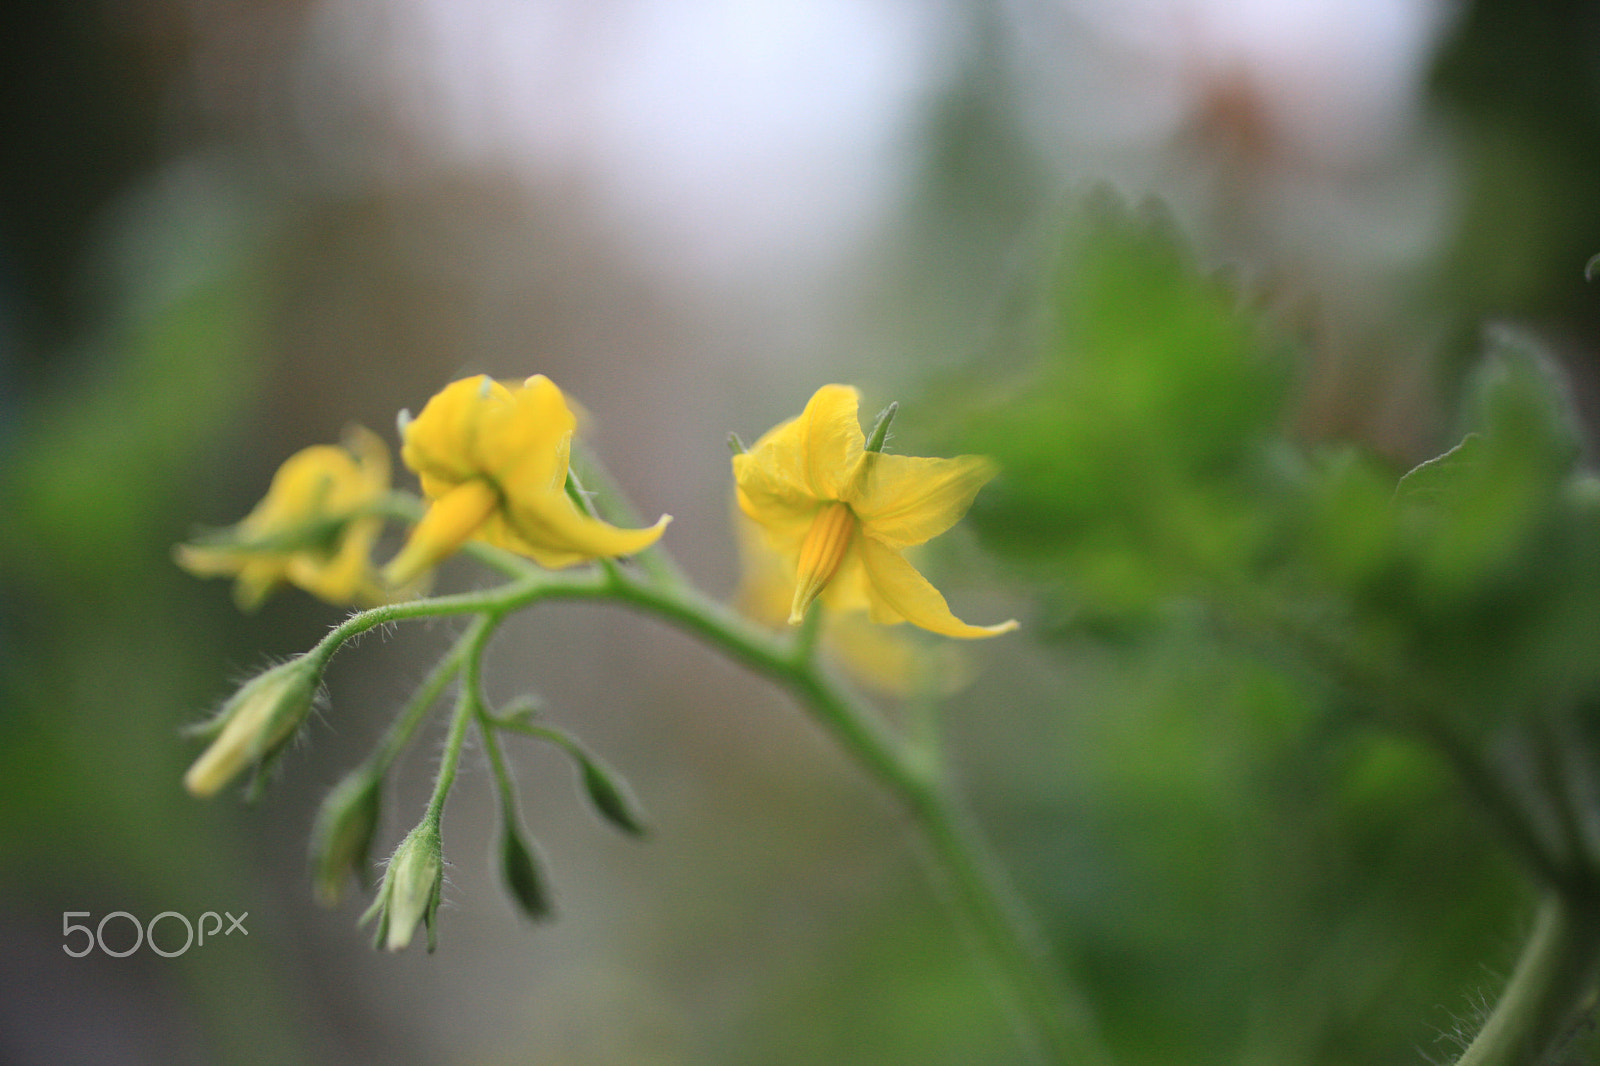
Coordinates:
1054	1015
1050	1010
469	704
1553	979
488	730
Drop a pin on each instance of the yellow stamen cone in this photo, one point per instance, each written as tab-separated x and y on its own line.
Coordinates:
821	553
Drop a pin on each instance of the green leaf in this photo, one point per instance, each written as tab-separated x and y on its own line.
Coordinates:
1440	478
1135	453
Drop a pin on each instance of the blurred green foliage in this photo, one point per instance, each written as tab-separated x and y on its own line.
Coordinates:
101	659
1297	676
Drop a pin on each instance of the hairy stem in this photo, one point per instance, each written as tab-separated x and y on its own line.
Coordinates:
469	705
1553	980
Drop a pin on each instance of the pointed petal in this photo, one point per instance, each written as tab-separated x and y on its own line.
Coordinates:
899	593
258	576
555	533
448	523
815	455
770	493
442	439
832	442
372	463
207	562
346	575
903	500
782	526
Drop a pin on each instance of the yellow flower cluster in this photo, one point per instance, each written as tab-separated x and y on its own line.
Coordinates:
832	513
826	515
492	458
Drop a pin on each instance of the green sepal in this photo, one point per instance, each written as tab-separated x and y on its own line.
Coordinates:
411	890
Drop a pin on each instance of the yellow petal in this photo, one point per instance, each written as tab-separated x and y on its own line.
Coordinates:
207	562
449	522
770	496
258	576
523	445
551	529
344	576
781	529
903	500
442	440
372	463
303	487
899	593
815	455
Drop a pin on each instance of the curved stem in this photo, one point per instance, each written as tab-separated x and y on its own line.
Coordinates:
1553	979
1053	1012
1055	1016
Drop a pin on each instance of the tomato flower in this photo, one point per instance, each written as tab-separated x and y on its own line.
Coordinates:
886	659
841	513
315	528
492	458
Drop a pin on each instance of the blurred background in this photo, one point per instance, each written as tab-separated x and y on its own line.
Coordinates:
228	228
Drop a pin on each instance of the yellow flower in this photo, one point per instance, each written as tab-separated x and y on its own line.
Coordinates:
313	529
492	459
879	657
841	514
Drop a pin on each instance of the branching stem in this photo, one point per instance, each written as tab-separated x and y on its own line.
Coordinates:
1051	1013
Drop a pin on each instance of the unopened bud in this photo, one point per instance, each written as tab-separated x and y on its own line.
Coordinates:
255	723
521	868
341	839
411	888
610	796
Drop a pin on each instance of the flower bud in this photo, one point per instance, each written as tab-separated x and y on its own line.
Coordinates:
341	839
522	871
610	796
254	723
411	888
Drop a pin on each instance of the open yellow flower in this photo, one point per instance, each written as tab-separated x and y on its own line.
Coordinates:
841	515
884	658
314	528
492	458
